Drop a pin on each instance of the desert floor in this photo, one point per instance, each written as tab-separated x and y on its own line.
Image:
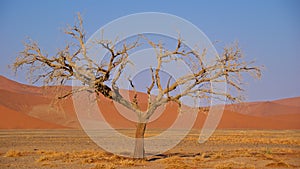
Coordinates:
225	149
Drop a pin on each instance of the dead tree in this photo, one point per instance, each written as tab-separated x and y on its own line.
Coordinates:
63	66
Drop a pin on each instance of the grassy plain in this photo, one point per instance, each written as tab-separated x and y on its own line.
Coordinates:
226	149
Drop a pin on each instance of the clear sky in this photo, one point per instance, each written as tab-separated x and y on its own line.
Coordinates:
267	30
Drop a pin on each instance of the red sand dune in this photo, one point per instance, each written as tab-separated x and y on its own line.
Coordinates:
11	119
295	101
23	106
268	108
232	120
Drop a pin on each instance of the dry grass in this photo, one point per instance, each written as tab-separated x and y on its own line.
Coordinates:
235	158
272	150
105	166
15	153
115	164
48	164
202	158
278	164
100	159
175	162
222	159
234	165
83	156
250	138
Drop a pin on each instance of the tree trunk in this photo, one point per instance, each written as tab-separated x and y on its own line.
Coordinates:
139	151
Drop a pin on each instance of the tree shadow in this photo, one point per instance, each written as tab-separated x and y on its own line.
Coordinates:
168	155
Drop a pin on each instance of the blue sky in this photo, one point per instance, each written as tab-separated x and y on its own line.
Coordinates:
268	31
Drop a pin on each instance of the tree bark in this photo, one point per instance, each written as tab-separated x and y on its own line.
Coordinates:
139	151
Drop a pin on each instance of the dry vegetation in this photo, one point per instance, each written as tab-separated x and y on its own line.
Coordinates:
13	153
100	159
226	149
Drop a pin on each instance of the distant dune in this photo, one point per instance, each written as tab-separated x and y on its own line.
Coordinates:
30	107
268	108
289	102
11	119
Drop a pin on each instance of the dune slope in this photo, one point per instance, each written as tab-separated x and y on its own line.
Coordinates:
24	106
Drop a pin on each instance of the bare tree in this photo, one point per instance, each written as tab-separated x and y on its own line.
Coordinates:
63	66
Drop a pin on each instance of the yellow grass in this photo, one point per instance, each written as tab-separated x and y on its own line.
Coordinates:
14	153
234	165
100	159
175	163
278	164
251	137
224	150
